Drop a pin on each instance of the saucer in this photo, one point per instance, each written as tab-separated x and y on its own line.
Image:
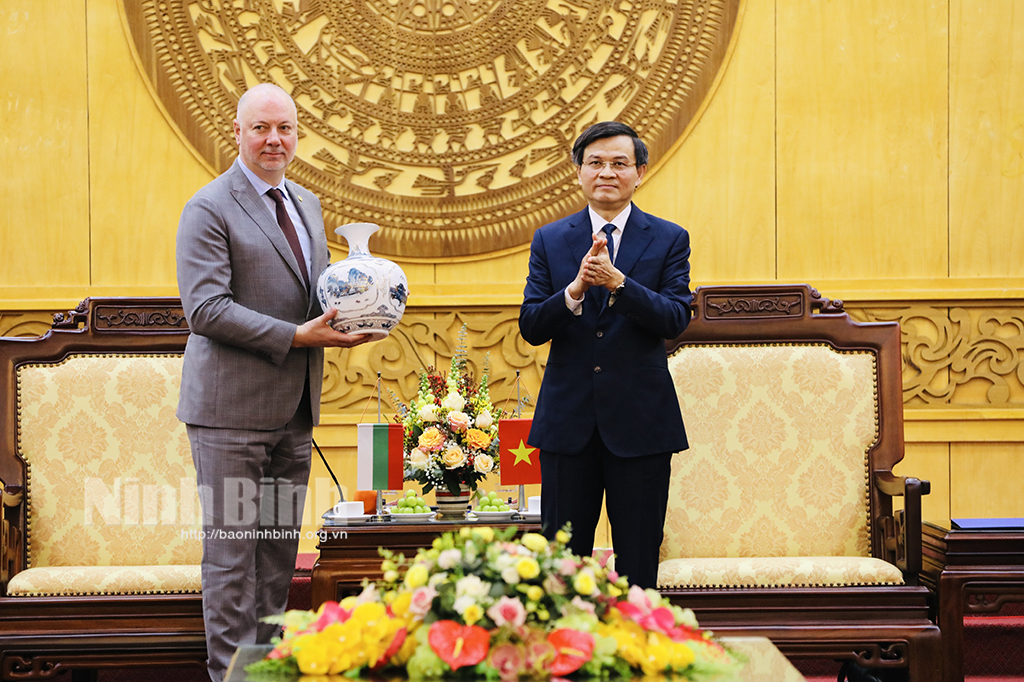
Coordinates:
330	518
412	518
494	515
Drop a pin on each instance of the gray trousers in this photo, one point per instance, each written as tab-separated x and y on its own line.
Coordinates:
252	487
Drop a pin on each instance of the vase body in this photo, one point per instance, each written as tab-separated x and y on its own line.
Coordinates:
453	506
368	293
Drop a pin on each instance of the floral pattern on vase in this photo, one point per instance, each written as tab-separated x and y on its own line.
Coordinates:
368	293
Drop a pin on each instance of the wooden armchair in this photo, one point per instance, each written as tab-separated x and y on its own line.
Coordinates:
100	554
780	519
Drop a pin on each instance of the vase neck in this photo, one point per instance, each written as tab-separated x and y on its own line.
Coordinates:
358	237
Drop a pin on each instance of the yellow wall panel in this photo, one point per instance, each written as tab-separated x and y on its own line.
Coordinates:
44	224
930	462
985	480
720	184
986	167
141	172
862	90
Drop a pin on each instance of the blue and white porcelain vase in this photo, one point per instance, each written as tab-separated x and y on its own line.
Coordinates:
368	293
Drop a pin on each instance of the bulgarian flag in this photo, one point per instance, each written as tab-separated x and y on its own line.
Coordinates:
379	450
520	463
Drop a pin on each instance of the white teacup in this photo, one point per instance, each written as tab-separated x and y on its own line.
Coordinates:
533	505
348	509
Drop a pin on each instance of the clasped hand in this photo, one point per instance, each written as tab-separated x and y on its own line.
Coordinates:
596	270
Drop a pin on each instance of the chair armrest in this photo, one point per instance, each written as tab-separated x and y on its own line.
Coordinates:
902	530
10	533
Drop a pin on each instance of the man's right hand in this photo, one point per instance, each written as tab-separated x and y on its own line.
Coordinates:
318	333
578	287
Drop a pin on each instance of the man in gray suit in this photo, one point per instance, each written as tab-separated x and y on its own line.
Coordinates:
250	248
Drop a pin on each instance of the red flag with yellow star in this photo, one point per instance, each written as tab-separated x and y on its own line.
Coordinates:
520	463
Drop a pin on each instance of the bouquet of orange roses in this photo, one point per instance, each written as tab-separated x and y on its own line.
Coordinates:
451	429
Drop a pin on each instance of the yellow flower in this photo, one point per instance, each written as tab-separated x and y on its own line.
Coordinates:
417	576
486	533
472	614
682	656
349	603
614	591
584	583
370	612
390	576
657	654
453	457
527	567
483	463
316	654
400	606
476	438
535	593
535	542
562	537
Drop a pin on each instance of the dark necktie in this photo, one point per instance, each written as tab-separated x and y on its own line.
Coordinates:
288	227
608	230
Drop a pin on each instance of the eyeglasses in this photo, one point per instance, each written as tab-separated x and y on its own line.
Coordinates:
616	166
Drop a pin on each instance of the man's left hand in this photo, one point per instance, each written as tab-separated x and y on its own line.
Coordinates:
598	271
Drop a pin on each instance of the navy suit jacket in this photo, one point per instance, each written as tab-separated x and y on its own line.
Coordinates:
607	367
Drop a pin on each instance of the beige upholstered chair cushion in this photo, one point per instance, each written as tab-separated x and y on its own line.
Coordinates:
778	572
777	465
110	474
77	580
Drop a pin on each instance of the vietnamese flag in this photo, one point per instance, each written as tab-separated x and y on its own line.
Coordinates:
520	463
379	456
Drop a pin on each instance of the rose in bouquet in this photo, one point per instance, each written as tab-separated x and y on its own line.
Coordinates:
451	430
481	604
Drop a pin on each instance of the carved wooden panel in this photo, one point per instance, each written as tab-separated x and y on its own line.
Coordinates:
447	122
424	339
958	355
965	354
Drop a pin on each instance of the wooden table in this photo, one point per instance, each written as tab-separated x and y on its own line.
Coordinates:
970	572
350	553
764	663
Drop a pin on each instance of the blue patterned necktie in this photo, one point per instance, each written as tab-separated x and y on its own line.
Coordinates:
608	230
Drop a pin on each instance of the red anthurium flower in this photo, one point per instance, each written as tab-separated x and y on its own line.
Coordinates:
396	644
459	645
682	633
630	611
663	619
330	612
572	649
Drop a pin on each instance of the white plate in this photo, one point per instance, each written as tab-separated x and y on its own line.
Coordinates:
494	516
335	520
412	518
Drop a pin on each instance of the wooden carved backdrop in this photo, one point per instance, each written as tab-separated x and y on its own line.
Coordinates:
425	339
961	354
446	122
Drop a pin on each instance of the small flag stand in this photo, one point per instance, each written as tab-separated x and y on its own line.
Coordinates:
379	453
517	467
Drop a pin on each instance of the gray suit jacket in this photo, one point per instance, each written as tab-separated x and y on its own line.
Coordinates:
243	295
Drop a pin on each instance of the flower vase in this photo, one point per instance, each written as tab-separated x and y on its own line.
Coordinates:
368	293
453	507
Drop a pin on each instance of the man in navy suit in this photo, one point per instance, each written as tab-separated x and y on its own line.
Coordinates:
607	286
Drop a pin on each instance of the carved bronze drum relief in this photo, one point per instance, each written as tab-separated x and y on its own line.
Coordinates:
446	122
